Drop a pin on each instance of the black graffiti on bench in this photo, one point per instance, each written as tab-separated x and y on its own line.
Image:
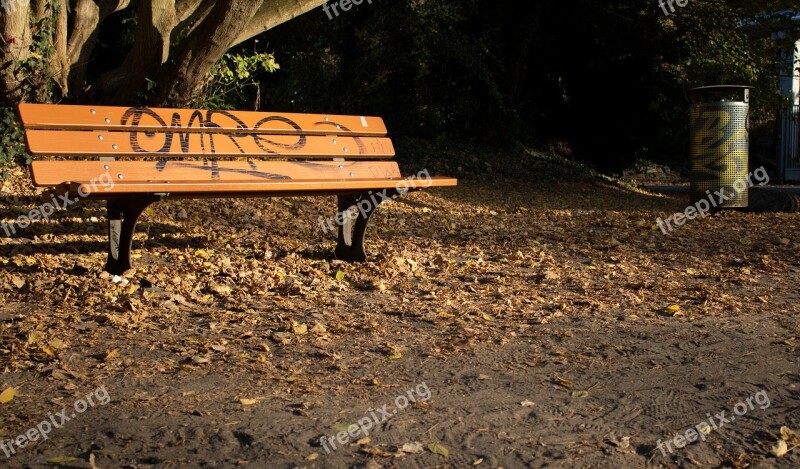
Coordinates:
133	117
213	168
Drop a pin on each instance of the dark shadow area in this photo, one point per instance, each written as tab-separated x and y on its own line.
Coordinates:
762	199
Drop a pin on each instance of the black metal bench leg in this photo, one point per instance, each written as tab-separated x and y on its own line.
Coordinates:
350	245
122	217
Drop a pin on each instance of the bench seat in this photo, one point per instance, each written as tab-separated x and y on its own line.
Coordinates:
191	178
193	189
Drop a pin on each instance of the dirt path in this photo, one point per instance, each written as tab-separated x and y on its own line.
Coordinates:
533	325
577	392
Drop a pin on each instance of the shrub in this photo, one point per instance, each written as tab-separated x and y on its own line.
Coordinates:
12	145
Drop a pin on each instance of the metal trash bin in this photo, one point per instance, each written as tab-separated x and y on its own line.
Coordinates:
720	138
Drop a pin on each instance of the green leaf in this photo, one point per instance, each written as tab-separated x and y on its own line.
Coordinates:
341	426
436	448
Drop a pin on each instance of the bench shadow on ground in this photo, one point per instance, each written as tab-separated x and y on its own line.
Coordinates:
599	196
506	197
470	201
47	237
79	264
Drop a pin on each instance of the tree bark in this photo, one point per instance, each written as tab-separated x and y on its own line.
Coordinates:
190	14
15	34
86	18
273	13
155	21
213	27
203	48
59	61
198	54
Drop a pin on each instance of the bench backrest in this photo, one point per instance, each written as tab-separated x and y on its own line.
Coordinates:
168	135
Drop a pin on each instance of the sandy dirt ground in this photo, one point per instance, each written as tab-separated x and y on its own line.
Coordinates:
508	323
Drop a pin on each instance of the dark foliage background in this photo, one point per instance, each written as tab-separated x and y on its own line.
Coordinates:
602	82
606	81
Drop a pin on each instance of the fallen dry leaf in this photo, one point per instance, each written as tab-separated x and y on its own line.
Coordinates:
779	449
6	395
412	448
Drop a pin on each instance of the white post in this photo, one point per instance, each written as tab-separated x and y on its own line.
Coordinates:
788	156
790	76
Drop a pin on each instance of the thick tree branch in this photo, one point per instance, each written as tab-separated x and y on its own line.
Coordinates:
190	14
211	28
156	19
202	48
273	13
39	9
187	8
86	18
59	61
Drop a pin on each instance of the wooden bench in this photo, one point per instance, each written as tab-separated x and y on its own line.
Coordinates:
155	154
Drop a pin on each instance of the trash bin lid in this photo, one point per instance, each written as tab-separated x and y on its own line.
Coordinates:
720	93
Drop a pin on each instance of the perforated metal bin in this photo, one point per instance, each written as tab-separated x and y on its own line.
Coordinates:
720	145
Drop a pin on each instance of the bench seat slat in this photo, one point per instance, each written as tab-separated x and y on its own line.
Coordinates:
84	143
252	188
52	173
61	116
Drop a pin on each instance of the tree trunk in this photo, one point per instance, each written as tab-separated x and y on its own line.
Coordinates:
15	34
86	18
203	48
59	62
213	26
197	54
156	19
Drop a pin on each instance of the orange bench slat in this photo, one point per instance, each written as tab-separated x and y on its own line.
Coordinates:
73	117
245	188
54	173
103	143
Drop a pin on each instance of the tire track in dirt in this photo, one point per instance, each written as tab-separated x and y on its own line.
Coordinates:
597	393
